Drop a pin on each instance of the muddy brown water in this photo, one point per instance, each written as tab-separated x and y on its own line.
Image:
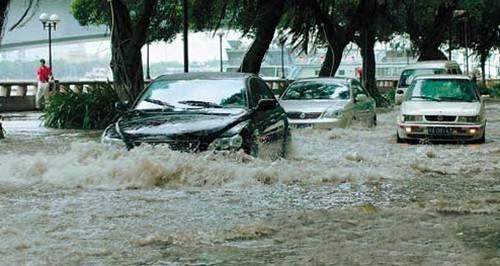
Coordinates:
345	197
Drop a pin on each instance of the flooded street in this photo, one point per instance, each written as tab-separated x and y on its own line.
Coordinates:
344	197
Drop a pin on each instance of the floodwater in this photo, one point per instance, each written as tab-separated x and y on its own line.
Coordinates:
345	197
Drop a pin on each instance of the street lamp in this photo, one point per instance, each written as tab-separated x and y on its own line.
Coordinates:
49	23
185	33
282	41
148	75
221	34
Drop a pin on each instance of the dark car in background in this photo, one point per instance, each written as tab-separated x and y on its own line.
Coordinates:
197	112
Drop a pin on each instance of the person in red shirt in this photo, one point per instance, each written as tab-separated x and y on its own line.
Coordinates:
44	75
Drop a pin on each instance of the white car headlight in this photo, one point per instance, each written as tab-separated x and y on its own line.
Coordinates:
227	143
413	118
469	119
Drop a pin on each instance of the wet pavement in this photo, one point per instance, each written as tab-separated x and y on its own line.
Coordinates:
345	197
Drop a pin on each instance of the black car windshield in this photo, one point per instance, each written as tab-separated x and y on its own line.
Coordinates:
188	94
408	74
317	90
446	90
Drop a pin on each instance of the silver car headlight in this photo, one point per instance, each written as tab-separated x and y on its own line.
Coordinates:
332	113
469	119
227	143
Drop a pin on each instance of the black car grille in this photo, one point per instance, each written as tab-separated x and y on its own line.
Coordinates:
299	115
440	118
176	145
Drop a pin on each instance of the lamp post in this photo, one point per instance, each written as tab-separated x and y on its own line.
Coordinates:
148	75
282	41
466	32
185	33
49	23
221	34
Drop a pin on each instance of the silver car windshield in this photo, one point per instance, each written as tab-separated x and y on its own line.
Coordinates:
446	90
314	90
187	94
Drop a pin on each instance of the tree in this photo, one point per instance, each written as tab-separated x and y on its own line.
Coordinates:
254	18
379	24
3	15
337	22
133	24
427	23
483	28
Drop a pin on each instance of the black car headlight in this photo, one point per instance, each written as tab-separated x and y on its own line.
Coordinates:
470	119
227	143
111	137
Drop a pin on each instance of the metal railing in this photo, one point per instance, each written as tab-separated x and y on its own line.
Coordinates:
21	92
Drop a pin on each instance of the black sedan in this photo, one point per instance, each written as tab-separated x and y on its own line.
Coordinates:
204	111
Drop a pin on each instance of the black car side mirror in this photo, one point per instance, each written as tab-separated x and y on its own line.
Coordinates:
266	105
121	107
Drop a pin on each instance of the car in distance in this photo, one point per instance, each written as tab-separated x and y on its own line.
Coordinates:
423	68
326	103
442	108
204	111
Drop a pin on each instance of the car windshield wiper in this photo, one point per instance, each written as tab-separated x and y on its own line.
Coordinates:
160	102
426	98
201	104
455	99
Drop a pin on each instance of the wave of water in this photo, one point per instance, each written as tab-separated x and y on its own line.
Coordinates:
342	155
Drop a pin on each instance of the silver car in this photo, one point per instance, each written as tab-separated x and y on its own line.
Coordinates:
325	103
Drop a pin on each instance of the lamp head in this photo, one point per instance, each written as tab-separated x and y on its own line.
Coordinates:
55	18
44	18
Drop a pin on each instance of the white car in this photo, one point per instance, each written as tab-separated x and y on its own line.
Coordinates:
325	103
442	108
423	68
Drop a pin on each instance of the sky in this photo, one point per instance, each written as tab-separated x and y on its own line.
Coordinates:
202	47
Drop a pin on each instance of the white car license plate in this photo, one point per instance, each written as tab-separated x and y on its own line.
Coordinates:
439	131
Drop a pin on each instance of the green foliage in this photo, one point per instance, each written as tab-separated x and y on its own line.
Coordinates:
389	96
164	25
91	110
495	91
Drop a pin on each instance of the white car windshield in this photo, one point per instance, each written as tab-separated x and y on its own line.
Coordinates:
316	90
230	93
447	90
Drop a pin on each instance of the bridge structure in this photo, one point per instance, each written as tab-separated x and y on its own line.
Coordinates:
31	33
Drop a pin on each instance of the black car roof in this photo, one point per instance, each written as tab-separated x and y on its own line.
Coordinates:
205	75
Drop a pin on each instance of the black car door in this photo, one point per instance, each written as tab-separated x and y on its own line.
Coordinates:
271	124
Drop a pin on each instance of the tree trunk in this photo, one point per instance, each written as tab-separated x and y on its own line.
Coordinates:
3	15
332	61
367	45
126	43
267	18
482	58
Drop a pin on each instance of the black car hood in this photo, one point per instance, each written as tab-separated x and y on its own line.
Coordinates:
174	125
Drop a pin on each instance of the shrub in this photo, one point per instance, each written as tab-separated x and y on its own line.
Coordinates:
389	95
495	91
91	110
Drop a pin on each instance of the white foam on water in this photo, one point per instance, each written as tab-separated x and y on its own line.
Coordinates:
354	155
